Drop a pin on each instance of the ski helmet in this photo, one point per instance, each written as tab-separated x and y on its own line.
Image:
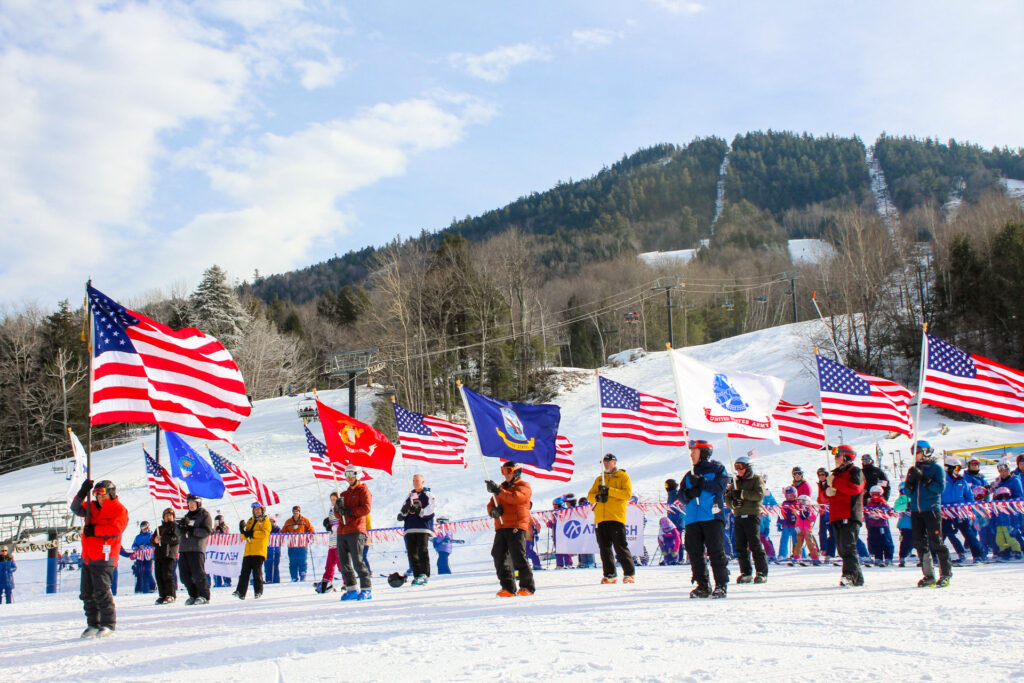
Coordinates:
194	498
973	459
396	580
789	492
1004	464
742	460
671	484
876	490
1001	493
705	448
980	492
257	504
822	470
952	461
354	470
804	498
923	446
798	470
557	503
847	453
105	486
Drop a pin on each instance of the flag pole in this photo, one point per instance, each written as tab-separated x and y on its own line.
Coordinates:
401	454
152	500
87	338
679	395
472	425
824	427
334	471
231	496
920	381
600	428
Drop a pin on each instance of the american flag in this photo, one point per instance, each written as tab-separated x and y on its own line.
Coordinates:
161	486
143	371
429	438
563	466
322	467
797	423
959	380
853	399
238	482
630	414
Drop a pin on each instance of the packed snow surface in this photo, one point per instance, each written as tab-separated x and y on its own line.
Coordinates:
810	251
800	625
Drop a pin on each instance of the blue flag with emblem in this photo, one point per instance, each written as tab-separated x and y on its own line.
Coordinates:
523	432
199	476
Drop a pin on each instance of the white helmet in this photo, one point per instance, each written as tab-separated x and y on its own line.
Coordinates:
952	461
877	488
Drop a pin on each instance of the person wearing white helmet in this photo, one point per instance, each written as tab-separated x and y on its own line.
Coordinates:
959	491
924	484
876	519
973	474
352	509
744	497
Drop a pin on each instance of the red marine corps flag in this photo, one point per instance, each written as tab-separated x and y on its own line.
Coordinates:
350	441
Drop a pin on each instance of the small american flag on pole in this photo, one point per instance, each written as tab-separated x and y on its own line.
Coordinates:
322	467
959	380
161	486
238	482
429	438
853	399
630	414
561	469
797	423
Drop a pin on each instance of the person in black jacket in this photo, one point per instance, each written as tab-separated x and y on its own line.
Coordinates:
873	475
417	516
194	528
166	554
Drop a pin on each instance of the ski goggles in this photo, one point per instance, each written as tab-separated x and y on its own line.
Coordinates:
699	443
99	491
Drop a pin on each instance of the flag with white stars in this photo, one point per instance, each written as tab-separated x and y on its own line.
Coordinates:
161	486
143	371
959	380
854	399
323	468
630	414
242	483
430	439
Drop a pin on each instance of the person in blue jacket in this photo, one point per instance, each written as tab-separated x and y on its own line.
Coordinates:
973	474
924	485
675	515
958	491
272	568
766	521
443	542
1015	485
7	569
143	569
703	491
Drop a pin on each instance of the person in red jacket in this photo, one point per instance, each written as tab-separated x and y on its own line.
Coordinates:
105	520
846	512
352	509
509	507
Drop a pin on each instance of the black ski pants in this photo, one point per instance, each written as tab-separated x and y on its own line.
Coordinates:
252	565
350	560
419	557
165	576
706	536
97	600
612	536
748	541
192	566
927	528
508	552
845	532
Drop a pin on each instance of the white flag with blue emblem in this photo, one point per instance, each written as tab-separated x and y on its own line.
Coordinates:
726	401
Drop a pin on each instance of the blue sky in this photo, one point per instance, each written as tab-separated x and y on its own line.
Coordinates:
142	142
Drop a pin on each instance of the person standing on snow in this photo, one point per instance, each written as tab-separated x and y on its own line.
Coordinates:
165	555
611	492
745	498
417	517
297	524
7	569
143	569
509	507
257	537
331	524
194	528
924	485
352	509
802	486
844	492
826	542
703	490
959	491
105	520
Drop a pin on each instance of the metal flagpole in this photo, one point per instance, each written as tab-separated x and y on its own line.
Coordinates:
472	425
814	300
157	520
824	427
600	428
88	342
920	381
334	470
679	395
398	446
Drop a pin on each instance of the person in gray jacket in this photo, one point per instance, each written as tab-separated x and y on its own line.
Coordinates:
195	526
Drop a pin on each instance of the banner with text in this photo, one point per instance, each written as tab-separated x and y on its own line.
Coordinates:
577	535
224	559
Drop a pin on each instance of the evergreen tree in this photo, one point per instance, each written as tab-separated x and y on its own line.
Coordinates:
214	308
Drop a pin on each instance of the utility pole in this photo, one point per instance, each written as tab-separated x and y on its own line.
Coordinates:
792	276
668	284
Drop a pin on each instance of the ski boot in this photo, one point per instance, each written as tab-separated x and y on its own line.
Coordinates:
926	582
943	581
90	632
761	578
628	579
701	591
719	592
744	578
349	595
609	579
365	595
104	632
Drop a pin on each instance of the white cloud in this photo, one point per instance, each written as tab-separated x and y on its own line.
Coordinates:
319	74
680	6
495	66
595	37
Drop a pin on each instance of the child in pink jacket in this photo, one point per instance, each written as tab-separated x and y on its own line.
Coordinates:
805	516
669	541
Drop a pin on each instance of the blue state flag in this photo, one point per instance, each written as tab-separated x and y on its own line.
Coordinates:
199	476
523	432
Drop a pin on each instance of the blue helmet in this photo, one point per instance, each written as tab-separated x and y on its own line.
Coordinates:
742	460
924	447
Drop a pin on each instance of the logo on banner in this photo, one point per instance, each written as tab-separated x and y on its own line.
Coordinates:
516	438
573	529
187	464
727	396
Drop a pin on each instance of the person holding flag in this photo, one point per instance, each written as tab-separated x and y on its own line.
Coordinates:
509	507
352	509
925	483
165	555
105	520
194	528
611	492
745	498
703	492
257	537
845	494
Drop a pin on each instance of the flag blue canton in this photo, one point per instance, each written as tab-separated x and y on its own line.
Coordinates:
615	395
110	320
411	422
945	357
314	444
151	465
840	379
218	464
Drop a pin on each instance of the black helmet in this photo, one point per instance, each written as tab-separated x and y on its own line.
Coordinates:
105	486
193	497
395	579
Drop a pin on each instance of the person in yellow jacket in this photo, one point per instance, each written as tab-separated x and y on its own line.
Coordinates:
611	493
257	536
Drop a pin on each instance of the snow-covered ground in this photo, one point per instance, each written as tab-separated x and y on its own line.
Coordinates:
800	625
1014	188
678	257
810	251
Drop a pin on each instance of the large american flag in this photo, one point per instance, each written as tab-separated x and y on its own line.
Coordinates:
959	380
143	371
322	467
429	438
561	469
797	423
853	399
630	414
238	482
161	486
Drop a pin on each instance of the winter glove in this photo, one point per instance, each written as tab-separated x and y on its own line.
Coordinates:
248	533
492	488
830	478
89	530
241	528
925	481
601	497
697	481
415	508
913	475
603	489
327	524
342	510
84	490
405	508
496	512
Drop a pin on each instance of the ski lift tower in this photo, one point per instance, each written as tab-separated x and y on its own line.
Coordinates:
352	363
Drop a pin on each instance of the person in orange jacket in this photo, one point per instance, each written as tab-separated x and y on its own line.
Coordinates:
352	511
297	552
105	520
509	507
